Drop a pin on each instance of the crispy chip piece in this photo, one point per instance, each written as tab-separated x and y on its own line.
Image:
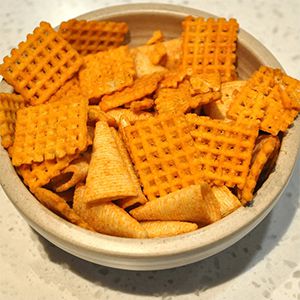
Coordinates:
261	99
227	200
39	174
156	229
225	149
108	177
180	100
118	113
89	37
158	55
174	53
107	218
77	170
140	198
70	89
204	83
95	114
261	154
195	203
106	72
157	36
41	65
59	206
218	109
51	130
143	104
142	87
163	153
9	105
209	46
172	78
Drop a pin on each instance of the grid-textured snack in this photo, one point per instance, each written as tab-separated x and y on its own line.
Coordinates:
51	130
106	72
163	153
227	200
262	152
195	203
225	149
107	218
156	229
9	105
39	174
89	37
41	65
262	98
59	206
218	109
131	116
141	87
180	100
134	200
108	177
143	104
209	46
70	89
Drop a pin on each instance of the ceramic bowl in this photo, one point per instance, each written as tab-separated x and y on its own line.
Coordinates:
162	253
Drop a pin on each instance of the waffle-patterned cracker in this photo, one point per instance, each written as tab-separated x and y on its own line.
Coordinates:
142	87
41	65
9	105
70	89
163	153
209	46
263	98
225	149
50	131
89	37
39	174
106	72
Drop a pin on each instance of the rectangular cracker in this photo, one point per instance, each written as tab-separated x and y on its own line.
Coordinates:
209	46
40	65
225	149
89	37
108	177
49	131
163	154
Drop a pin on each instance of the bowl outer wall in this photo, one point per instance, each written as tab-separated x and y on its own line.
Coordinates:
162	253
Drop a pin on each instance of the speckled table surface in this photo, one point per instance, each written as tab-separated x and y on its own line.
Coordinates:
264	264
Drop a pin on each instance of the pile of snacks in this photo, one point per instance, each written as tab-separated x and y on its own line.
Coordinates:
143	142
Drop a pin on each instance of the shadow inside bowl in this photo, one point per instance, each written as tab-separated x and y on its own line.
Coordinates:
197	277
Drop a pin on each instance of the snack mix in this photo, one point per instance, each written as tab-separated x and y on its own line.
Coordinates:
142	142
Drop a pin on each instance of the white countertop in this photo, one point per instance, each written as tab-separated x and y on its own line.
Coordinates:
264	264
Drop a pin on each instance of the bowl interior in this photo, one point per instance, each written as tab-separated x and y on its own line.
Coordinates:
162	253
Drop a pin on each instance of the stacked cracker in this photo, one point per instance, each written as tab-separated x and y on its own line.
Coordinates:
151	141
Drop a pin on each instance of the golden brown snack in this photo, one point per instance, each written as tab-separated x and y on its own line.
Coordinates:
89	37
49	131
106	72
108	177
209	46
9	105
41	65
107	218
157	229
195	203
